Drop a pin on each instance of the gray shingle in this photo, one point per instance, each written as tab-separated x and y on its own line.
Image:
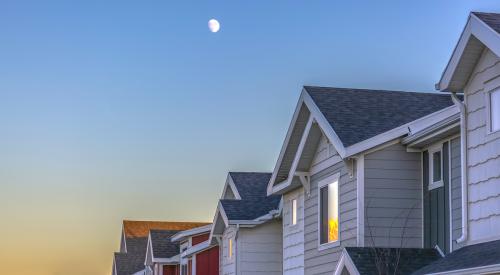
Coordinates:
374	261
471	256
132	261
359	114
491	19
163	247
254	202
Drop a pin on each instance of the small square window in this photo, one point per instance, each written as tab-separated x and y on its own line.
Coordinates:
495	110
294	212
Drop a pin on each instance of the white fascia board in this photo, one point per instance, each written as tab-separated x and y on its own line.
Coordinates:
172	260
489	269
411	127
484	33
346	261
220	211
230	184
285	144
196	249
191	232
149	250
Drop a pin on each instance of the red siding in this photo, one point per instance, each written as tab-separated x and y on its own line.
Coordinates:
171	270
207	262
190	267
200	238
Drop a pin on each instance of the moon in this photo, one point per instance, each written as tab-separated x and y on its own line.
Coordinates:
213	25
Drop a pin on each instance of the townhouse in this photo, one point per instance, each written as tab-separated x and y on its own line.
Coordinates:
198	255
162	253
246	228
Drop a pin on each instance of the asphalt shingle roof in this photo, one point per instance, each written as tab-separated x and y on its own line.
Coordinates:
471	256
134	229
359	114
163	247
254	202
410	259
132	261
491	19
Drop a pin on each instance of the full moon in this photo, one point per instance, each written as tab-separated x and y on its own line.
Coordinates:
213	25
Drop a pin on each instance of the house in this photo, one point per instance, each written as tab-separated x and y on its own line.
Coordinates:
134	241
474	70
162	253
347	179
245	226
198	256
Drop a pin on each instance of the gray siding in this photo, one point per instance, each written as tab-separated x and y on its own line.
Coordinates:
293	235
456	191
324	261
483	149
393	198
260	249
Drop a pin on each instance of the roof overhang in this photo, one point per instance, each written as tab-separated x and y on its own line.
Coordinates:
182	235
346	262
195	249
475	36
488	269
294	179
172	260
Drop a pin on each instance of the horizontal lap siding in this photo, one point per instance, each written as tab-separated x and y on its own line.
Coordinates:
393	198
293	235
228	266
324	262
483	159
260	249
456	191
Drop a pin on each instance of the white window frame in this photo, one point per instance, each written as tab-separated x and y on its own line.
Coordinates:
293	212
322	183
489	120
434	149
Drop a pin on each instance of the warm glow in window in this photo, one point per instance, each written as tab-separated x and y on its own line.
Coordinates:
294	211
230	248
329	213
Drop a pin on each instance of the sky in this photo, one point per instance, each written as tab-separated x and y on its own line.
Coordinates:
113	110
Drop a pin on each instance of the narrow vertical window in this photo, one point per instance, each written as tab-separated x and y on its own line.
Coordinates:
294	211
436	167
495	110
329	212
230	249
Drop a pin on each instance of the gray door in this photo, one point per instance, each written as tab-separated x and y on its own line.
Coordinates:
436	200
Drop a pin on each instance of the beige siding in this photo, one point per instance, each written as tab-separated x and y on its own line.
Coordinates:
293	235
260	249
393	198
228	265
324	261
483	149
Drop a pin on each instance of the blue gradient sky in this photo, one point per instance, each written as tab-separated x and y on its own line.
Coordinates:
133	109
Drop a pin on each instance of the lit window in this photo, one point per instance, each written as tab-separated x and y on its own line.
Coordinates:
294	211
495	110
230	249
435	167
329	211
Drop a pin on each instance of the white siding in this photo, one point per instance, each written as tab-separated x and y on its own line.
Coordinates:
259	249
483	161
228	265
324	152
393	198
293	235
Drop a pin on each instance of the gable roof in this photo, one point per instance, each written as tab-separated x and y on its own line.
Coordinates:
359	114
182	235
468	257
134	229
250	185
367	260
133	260
481	30
162	244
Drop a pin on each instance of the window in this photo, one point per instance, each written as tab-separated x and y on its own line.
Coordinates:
294	212
436	167
230	249
494	106
329	210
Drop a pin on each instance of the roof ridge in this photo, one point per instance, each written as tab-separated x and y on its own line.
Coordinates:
369	90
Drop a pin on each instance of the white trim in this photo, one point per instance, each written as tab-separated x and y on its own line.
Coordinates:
484	33
432	150
489	118
191	232
360	199
450	214
219	211
230	183
322	183
488	269
346	261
